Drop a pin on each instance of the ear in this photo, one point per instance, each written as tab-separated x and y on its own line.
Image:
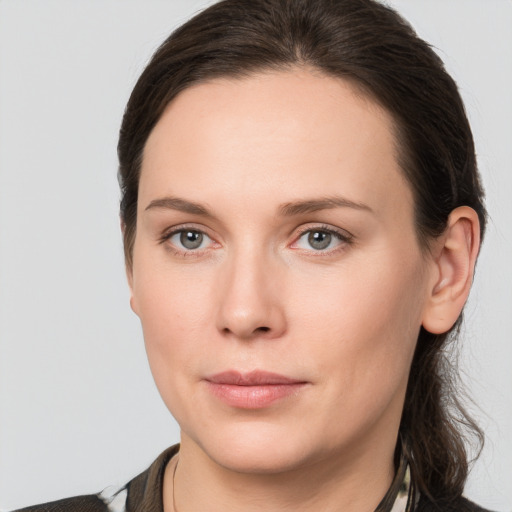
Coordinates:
128	267
454	261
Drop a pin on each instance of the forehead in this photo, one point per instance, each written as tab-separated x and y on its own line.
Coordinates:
296	130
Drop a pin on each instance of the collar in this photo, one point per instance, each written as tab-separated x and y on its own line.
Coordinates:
144	492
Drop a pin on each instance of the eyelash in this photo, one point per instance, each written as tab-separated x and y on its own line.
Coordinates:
343	237
167	235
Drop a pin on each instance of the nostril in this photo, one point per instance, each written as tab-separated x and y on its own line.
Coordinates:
263	329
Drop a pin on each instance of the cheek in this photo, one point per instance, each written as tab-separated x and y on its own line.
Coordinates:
164	295
175	312
172	322
364	319
361	296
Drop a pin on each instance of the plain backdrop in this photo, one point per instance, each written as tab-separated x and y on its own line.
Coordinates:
78	408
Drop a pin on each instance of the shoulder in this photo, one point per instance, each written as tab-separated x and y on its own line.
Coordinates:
460	505
91	503
142	493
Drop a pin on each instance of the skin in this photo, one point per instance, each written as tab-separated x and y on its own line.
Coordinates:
256	295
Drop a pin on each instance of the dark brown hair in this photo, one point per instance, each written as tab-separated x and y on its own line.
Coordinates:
372	46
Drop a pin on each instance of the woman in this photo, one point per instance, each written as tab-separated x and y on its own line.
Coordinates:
301	215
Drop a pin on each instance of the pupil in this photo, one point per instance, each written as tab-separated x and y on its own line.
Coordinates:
319	239
191	239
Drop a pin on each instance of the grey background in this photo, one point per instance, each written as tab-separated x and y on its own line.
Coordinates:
78	408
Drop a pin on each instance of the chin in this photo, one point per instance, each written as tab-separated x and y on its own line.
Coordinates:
257	459
256	448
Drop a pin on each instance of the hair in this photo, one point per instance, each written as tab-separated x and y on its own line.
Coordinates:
370	45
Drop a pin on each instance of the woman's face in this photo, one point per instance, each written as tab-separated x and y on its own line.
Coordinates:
276	271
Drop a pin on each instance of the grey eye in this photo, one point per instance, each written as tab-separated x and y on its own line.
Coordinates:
319	239
191	239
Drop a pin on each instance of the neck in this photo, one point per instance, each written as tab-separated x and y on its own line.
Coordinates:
349	482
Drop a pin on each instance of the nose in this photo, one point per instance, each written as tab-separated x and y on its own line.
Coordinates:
251	301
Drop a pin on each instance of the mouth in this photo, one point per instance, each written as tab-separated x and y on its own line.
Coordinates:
253	390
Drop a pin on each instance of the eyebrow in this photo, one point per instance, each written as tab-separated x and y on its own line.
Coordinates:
182	205
314	205
286	210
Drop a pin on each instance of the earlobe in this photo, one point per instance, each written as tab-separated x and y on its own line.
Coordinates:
129	278
453	269
129	275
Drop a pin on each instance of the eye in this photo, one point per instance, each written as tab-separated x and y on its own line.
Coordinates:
321	239
189	239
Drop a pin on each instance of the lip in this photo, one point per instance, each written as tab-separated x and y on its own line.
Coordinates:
253	390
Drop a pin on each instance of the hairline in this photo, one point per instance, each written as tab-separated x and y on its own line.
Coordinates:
358	87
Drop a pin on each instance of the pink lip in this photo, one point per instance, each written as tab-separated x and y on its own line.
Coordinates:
253	390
